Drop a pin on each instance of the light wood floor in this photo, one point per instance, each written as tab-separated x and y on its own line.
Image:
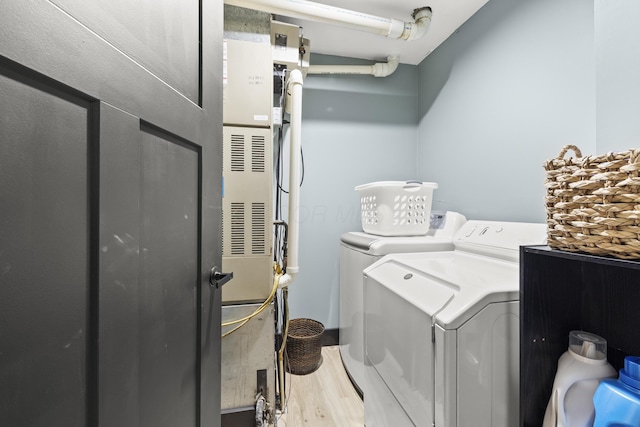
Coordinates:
324	398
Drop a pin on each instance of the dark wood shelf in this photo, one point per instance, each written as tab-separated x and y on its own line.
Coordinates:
563	291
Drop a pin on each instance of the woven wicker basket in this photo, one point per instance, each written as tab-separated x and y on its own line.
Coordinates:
304	346
593	203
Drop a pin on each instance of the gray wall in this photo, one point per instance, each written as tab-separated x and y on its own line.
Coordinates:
498	98
356	129
617	71
518	81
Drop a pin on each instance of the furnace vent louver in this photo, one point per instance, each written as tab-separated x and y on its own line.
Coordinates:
258	237
257	153
237	228
237	153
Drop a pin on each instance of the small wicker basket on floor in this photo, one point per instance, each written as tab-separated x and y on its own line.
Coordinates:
593	203
304	346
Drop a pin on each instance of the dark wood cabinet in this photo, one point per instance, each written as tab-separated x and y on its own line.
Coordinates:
563	291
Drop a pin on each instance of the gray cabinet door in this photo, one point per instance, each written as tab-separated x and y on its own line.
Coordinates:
110	212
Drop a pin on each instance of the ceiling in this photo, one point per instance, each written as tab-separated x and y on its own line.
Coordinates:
448	16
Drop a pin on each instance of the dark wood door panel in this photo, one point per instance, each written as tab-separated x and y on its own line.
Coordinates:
149	288
44	254
163	37
169	281
63	49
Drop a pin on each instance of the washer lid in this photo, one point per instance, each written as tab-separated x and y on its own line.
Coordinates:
439	238
378	245
358	240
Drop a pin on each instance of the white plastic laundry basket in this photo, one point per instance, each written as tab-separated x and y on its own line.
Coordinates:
396	208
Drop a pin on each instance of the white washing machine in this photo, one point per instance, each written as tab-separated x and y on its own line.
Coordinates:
358	251
442	331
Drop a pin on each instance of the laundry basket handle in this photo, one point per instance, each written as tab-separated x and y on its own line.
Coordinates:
412	185
566	148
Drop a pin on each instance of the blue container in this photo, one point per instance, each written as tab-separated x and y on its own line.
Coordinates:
617	402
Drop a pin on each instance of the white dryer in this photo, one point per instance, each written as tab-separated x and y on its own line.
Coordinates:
358	251
442	331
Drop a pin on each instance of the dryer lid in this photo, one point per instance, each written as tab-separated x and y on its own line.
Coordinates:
398	315
410	284
469	280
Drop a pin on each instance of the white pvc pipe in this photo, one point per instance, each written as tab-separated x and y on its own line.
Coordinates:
294	108
422	24
380	69
307	10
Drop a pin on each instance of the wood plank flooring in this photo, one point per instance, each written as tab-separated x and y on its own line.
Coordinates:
324	398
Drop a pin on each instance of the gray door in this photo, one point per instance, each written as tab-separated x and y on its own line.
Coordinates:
110	207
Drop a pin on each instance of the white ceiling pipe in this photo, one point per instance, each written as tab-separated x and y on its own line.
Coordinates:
307	10
379	69
422	17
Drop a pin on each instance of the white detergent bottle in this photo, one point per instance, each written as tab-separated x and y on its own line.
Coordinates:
580	370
